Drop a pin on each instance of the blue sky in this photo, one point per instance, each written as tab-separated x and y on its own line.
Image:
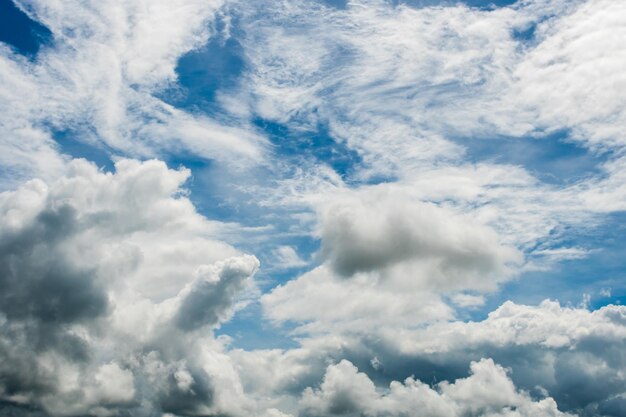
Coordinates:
278	209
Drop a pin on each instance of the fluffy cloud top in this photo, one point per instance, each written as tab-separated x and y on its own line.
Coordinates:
570	354
486	392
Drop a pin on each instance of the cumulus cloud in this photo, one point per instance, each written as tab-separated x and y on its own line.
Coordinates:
486	392
570	354
111	284
205	301
382	230
320	302
387	260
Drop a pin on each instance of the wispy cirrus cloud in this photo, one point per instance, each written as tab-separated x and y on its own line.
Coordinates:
99	78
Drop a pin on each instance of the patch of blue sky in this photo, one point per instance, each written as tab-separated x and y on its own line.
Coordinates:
312	146
272	271
72	143
249	331
525	34
203	72
487	4
214	191
553	158
339	4
218	66
25	35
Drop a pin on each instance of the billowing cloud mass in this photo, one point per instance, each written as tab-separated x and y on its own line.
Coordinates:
387	259
569	354
110	284
487	391
312	208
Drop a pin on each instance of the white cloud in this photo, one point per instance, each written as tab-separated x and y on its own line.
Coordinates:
98	80
548	325
387	259
468	300
115	385
24	149
393	82
574	76
287	257
570	354
381	229
486	392
111	285
322	302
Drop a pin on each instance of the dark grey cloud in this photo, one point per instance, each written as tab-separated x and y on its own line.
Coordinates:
38	282
42	292
9	409
186	400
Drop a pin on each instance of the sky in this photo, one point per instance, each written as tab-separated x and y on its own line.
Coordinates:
312	208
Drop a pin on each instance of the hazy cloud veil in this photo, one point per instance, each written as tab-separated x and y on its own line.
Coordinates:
307	208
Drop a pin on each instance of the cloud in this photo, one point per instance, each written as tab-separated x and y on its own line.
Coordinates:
110	286
411	90
486	392
387	260
26	150
382	230
99	83
561	63
320	302
570	354
287	257
205	301
468	300
112	283
396	82
388	81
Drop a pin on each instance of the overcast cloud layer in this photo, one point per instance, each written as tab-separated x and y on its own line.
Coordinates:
312	208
